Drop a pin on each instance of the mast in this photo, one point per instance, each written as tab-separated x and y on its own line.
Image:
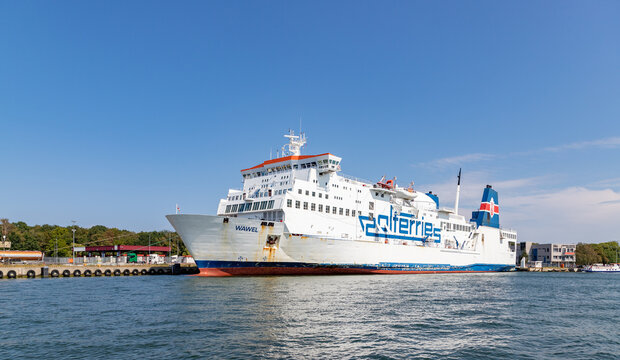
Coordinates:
296	142
458	194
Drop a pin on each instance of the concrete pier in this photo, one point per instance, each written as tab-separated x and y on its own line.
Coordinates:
42	270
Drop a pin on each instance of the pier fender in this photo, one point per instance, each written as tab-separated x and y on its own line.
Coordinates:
78	273
160	271
66	273
143	272
87	272
135	271
1	274
98	272
152	271
11	274
55	273
108	272
126	272
31	274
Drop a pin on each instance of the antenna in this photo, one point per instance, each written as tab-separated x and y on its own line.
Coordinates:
458	193
296	142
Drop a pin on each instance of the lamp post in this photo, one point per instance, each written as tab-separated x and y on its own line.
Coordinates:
73	247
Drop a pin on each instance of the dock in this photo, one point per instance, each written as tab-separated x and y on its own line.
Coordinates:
548	269
53	271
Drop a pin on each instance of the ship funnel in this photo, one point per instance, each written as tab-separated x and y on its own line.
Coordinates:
488	214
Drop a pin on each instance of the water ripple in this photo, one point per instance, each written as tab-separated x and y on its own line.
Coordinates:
448	316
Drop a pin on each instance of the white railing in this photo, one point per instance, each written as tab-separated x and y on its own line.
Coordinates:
368	182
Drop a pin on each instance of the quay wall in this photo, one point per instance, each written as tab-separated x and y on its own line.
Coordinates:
9	271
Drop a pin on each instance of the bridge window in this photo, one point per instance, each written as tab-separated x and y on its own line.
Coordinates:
353	213
297	203
289	202
313	193
340	211
346	212
321	207
305	205
327	209
270	204
256	205
313	207
227	208
334	210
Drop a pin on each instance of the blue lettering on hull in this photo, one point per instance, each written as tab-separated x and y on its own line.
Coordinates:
401	227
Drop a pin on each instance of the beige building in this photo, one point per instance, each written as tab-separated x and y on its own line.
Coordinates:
557	255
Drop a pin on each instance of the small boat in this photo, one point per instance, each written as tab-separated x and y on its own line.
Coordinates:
602	268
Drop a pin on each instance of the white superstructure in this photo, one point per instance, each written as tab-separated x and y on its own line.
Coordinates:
299	214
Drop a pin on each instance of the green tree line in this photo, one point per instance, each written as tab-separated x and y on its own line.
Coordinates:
48	238
605	253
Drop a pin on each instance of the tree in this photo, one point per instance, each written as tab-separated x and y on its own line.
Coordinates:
62	237
6	229
586	254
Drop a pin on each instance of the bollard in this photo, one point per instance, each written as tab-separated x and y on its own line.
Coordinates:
45	272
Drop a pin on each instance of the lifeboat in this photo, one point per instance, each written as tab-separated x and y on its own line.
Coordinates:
407	194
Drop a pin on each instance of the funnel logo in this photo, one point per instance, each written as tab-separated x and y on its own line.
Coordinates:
490	207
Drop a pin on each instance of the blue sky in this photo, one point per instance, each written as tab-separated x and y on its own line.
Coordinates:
111	112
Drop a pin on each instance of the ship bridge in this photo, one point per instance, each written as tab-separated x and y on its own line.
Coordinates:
324	163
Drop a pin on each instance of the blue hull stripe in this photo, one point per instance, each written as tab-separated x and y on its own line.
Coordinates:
208	264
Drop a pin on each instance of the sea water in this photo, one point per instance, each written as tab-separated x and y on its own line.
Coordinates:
446	316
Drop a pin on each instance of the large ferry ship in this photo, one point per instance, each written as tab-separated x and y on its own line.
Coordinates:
298	214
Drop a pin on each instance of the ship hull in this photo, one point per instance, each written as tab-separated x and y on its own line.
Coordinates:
233	268
245	247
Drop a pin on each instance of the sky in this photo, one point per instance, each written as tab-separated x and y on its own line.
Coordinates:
113	112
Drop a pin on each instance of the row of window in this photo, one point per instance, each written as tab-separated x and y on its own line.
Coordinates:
320	208
257	205
314	193
509	235
260	194
455	227
287	167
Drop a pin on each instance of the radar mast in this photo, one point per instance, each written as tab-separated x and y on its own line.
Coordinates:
296	142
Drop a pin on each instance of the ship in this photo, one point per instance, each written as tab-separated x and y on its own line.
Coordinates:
299	214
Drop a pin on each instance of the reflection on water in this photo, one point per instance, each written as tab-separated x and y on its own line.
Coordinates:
512	315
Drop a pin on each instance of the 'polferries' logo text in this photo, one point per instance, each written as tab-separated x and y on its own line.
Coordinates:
402	227
246	228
